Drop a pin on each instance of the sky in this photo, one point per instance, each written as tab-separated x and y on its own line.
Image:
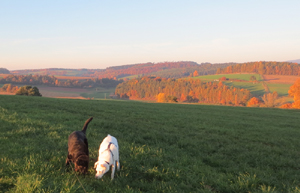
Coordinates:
99	34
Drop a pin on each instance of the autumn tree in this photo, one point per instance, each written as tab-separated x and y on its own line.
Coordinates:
223	78
28	91
9	88
295	92
272	100
161	98
187	90
172	99
182	97
195	73
254	102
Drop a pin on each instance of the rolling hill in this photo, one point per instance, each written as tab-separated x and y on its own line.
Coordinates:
163	69
295	61
163	147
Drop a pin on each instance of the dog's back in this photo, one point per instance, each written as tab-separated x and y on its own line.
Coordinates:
77	141
106	141
77	144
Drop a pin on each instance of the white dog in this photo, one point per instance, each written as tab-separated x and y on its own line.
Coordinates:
108	156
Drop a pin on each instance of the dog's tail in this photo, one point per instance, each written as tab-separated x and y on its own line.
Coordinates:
86	124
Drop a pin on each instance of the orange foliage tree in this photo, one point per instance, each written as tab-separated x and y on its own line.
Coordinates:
295	92
195	73
161	98
253	102
186	90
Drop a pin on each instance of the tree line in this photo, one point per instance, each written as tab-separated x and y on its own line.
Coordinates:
53	81
262	67
183	90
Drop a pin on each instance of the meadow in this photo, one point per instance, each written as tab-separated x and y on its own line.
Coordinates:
98	93
163	147
256	89
281	89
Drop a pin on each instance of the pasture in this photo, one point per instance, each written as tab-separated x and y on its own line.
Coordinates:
281	89
62	92
281	79
256	89
163	147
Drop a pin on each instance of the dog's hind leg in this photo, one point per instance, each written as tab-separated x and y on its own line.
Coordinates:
118	165
113	167
118	160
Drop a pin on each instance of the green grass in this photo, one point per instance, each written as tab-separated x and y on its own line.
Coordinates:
163	147
231	76
131	77
281	89
99	93
256	90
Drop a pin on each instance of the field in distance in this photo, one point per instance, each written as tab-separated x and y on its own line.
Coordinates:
71	93
279	83
80	93
163	147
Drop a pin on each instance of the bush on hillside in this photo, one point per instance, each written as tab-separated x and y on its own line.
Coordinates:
28	91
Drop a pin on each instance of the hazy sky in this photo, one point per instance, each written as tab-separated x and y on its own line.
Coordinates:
98	34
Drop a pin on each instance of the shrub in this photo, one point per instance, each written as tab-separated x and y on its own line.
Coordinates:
28	91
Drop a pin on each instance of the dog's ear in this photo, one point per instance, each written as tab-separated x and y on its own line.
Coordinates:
96	164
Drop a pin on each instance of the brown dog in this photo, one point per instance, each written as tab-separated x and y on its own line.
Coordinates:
78	151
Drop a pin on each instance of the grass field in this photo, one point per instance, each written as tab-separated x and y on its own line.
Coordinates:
99	93
54	92
163	147
256	90
131	77
281	89
281	79
231	76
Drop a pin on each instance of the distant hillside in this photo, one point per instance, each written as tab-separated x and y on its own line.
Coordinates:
55	72
162	69
263	67
294	61
4	71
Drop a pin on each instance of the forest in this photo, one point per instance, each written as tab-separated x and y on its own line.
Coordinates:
183	90
267	68
53	81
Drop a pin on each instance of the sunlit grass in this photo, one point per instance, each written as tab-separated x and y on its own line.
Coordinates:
256	89
281	89
163	147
